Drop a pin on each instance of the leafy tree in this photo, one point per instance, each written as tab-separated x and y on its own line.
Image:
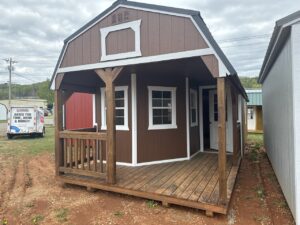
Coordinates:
250	82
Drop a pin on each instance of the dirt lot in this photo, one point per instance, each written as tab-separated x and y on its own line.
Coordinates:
29	194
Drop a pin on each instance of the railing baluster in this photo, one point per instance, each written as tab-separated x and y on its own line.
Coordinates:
82	153
100	156
88	153
65	152
71	152
76	152
94	155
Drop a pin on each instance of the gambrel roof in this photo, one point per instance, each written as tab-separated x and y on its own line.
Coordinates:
224	64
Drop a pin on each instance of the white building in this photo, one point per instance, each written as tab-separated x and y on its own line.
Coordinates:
280	77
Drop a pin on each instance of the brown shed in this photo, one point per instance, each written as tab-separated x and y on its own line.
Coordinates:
168	107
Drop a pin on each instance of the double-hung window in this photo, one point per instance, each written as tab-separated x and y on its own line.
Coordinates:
193	108
121	108
162	107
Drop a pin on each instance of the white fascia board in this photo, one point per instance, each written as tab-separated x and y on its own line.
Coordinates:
140	60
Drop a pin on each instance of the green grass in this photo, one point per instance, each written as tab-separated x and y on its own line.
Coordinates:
118	214
3	121
61	215
258	139
24	145
151	204
37	219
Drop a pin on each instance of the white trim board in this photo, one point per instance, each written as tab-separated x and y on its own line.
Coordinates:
133	119
135	26
140	60
187	116
162	161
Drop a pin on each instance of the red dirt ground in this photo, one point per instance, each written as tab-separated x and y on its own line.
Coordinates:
29	194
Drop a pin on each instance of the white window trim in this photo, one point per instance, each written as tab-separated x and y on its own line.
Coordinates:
103	115
173	125
194	92
135	26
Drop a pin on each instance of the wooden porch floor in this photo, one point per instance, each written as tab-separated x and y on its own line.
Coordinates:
192	183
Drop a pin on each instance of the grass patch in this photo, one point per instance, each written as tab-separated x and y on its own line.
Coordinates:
25	145
3	221
151	204
260	191
37	219
3	121
258	139
281	204
61	215
118	214
29	204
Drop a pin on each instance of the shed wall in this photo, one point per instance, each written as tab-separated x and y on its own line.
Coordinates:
160	34
278	122
296	101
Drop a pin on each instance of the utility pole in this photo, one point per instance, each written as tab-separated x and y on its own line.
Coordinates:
10	68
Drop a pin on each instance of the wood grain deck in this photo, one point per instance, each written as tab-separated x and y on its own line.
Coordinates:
192	183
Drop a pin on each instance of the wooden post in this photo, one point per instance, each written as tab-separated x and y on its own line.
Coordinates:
221	90
235	140
108	75
58	127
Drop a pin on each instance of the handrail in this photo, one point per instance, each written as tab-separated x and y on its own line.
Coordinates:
83	135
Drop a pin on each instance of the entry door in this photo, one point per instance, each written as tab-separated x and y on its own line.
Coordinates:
213	119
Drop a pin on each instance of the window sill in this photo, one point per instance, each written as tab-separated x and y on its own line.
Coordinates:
126	128
194	124
162	127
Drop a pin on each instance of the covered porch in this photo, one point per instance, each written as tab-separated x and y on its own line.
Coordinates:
200	179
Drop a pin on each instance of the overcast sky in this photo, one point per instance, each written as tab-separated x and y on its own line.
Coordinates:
32	31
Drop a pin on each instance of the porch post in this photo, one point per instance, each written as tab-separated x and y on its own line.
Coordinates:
221	90
58	127
108	75
235	140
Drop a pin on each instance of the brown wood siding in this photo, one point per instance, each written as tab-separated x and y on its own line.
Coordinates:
160	34
194	131
212	64
259	118
160	144
120	41
123	138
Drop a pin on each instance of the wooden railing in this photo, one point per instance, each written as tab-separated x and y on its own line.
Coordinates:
83	153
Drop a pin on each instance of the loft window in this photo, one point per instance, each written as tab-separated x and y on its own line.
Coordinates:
121	108
193	108
162	107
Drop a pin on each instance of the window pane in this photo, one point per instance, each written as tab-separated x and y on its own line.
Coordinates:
167	120
156	94
157	112
120	103
167	94
120	121
157	120
156	102
119	112
119	94
216	116
194	116
167	103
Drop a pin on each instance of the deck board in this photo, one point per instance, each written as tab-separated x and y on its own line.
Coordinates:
192	183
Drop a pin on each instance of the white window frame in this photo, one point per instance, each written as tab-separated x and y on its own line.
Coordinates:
152	126
194	92
103	110
135	26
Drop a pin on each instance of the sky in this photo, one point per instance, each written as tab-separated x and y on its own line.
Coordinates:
32	31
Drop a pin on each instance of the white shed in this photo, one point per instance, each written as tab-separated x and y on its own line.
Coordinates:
3	112
280	78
